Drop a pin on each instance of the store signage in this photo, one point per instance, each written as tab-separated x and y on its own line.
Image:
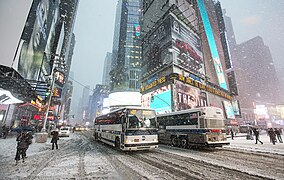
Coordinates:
7	98
187	80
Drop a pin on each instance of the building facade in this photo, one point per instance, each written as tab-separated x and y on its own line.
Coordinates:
125	70
183	62
107	68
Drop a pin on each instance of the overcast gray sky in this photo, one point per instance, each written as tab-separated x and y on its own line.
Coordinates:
94	28
95	25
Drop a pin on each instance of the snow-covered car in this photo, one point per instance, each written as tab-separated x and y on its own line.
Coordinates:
64	132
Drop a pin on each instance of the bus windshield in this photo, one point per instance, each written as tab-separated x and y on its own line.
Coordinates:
141	119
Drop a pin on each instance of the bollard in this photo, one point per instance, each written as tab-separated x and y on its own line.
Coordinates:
41	137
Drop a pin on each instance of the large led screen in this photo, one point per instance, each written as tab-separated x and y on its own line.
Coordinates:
187	48
212	45
159	99
30	56
188	97
229	111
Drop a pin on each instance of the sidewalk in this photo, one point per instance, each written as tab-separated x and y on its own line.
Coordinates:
240	142
8	146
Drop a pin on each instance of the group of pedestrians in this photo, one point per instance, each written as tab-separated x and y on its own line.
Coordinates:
271	132
24	140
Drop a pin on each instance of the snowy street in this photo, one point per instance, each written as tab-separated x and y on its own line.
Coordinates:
80	157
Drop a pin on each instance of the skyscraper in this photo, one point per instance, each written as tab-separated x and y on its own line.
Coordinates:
107	68
183	64
125	71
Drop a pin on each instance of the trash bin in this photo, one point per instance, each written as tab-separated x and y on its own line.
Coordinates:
41	137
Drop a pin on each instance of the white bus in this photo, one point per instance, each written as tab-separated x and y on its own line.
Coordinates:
128	128
202	126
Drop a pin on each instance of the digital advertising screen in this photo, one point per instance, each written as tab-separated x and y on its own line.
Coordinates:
188	97
229	111
59	78
31	55
187	48
236	108
212	44
159	99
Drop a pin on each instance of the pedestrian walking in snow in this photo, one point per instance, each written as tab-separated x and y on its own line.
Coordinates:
272	135
22	146
55	138
5	131
256	133
29	138
232	133
278	134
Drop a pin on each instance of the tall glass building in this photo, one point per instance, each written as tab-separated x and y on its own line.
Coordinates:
126	60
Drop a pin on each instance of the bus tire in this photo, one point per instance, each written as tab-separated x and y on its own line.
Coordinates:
117	143
96	136
175	141
183	142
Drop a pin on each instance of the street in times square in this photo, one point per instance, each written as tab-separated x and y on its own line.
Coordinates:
141	89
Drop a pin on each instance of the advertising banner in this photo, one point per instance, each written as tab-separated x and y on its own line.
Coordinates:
212	45
229	111
236	108
59	78
188	97
30	56
159	99
187	48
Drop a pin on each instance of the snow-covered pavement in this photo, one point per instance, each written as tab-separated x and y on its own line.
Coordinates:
77	158
242	143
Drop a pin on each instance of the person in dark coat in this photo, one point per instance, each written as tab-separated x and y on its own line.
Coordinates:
232	133
256	133
55	138
278	134
5	131
22	146
29	138
272	135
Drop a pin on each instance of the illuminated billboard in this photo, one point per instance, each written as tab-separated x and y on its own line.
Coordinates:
187	48
236	108
59	78
31	57
212	45
159	99
137	29
188	97
229	111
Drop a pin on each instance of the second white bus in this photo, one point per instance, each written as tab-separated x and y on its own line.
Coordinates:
193	127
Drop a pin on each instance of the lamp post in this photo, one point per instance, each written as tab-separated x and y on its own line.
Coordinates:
49	101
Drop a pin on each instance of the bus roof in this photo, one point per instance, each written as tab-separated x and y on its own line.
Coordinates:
127	107
188	111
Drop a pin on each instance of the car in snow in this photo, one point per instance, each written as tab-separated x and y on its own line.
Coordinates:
64	132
